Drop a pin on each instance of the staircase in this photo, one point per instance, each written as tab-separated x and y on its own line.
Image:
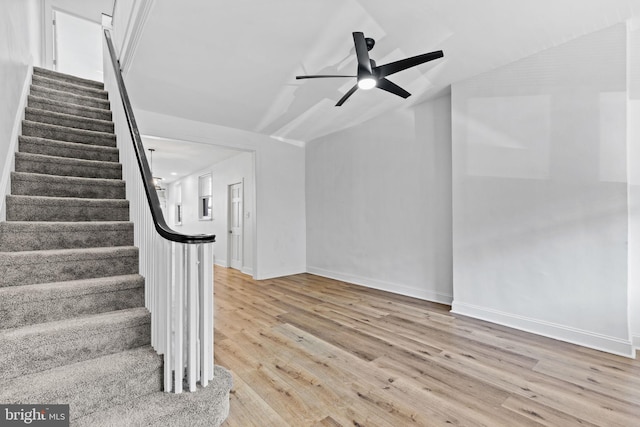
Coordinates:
73	327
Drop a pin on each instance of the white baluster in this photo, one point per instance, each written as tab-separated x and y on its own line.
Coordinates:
192	304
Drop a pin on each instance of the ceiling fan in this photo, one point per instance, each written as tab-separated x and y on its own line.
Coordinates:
371	75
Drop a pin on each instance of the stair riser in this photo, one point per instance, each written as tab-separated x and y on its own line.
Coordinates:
100	397
69	150
58	348
60	133
32	241
37	71
70	98
209	405
65	108
64	120
48	306
68	87
61	169
90	390
39	269
63	189
72	210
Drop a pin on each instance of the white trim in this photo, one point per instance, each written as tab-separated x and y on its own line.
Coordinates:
16	130
247	270
272	274
636	341
423	294
134	30
295	142
222	263
577	336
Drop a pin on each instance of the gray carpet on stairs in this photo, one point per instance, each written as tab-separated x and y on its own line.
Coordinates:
73	327
50	165
34	235
67	108
39	208
50	147
47	302
69	120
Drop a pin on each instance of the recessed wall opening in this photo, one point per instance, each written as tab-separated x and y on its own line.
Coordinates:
197	178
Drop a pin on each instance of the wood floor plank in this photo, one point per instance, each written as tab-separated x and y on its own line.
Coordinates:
310	351
249	409
542	414
617	387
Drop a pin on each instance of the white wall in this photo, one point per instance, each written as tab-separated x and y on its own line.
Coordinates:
279	210
129	18
633	163
20	49
230	171
540	193
379	203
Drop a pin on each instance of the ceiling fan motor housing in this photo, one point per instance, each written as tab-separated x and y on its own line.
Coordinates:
370	43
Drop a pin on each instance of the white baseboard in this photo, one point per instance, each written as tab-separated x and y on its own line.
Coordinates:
247	270
636	342
9	163
424	294
581	337
272	274
221	263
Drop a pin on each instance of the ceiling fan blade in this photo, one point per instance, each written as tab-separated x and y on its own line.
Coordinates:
362	53
393	67
347	95
320	76
389	86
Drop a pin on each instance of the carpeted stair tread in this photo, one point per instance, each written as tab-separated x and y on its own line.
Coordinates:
67	78
18	236
64	86
67	134
60	265
66	166
47	302
35	184
43	346
207	407
68	120
91	385
39	208
71	98
67	108
50	147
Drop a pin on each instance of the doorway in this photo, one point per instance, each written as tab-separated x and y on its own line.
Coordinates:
77	46
235	224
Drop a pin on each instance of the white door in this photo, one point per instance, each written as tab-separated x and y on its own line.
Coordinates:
235	226
77	46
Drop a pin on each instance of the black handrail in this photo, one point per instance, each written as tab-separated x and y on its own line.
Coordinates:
147	178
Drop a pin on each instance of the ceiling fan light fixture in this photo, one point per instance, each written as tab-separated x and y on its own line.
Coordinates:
367	83
371	75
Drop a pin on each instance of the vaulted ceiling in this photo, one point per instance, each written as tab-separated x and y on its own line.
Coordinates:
234	63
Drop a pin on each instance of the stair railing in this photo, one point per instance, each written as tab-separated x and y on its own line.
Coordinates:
178	268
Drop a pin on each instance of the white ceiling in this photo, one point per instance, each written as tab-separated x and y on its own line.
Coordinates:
174	159
234	63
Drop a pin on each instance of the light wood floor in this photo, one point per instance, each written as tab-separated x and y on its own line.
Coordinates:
310	351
